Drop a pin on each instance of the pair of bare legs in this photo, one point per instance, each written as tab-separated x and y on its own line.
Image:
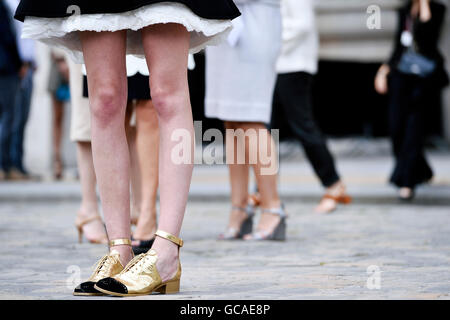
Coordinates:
166	49
239	177
142	141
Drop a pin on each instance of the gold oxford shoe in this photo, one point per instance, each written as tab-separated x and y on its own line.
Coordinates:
140	276
108	266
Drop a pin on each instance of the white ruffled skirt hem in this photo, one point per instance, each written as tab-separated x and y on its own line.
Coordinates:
62	32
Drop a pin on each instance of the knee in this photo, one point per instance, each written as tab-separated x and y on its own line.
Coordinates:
235	125
168	100
106	106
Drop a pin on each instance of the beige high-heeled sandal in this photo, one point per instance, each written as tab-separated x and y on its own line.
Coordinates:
80	223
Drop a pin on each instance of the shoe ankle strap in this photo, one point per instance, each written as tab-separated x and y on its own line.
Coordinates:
276	211
82	222
249	209
179	242
119	242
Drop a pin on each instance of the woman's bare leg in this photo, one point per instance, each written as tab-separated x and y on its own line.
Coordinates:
89	206
58	120
166	48
104	54
239	180
147	142
267	183
135	168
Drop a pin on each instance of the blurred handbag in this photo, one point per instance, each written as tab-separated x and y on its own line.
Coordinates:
411	61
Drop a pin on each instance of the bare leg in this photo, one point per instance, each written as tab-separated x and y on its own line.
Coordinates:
135	169
58	118
94	231
147	142
239	180
104	54
267	184
166	48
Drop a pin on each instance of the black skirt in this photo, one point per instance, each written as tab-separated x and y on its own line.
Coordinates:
208	9
138	87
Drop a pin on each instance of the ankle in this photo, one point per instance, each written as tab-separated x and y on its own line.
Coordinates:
270	204
237	216
125	251
405	191
88	211
337	187
144	235
165	247
145	229
148	211
242	203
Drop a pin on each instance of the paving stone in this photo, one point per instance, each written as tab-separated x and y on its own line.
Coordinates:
325	257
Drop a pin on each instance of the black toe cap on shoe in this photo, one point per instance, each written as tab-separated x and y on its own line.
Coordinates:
86	287
112	285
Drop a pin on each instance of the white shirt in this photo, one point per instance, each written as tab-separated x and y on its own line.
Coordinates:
300	47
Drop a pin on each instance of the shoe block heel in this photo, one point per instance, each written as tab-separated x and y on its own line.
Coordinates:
170	287
279	234
247	227
80	235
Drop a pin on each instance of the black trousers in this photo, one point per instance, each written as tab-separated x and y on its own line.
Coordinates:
407	106
292	104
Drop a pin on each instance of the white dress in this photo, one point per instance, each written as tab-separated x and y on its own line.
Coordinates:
241	72
61	32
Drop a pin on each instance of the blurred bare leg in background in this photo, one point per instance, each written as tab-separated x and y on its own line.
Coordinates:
88	218
58	120
147	143
135	174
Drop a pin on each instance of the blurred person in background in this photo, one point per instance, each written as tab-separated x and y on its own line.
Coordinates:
245	66
143	135
58	87
88	220
23	99
297	64
414	72
12	71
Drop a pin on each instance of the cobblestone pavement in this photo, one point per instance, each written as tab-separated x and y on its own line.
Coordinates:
325	256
